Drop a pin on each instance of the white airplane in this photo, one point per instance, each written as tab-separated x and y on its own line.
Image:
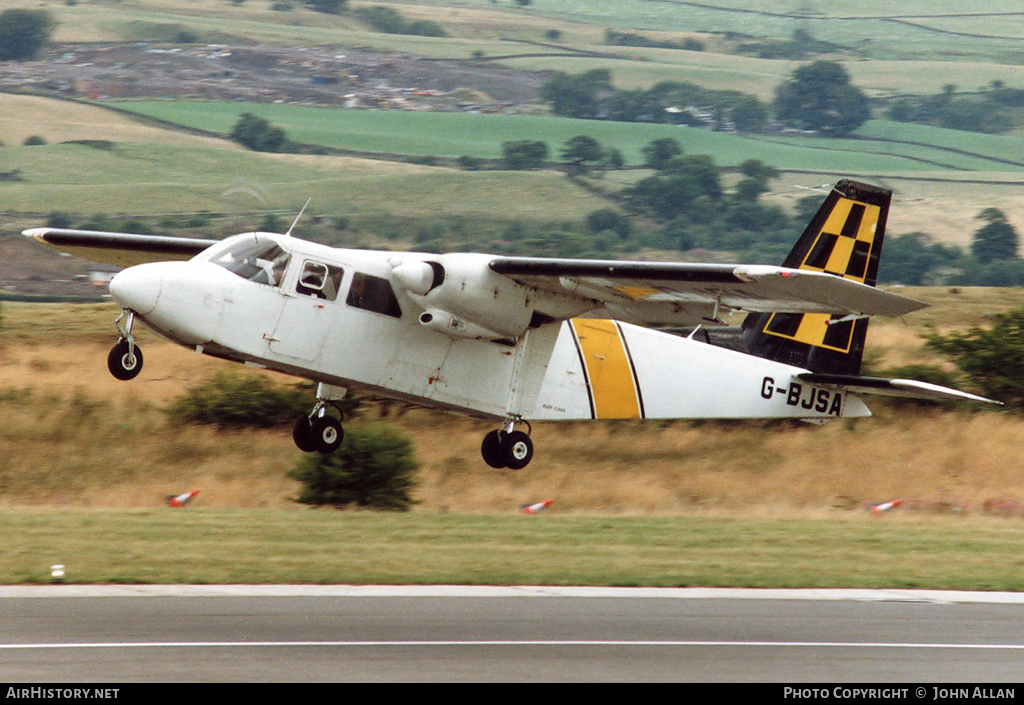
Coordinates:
514	339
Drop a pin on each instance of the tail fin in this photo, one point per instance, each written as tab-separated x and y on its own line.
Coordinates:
845	239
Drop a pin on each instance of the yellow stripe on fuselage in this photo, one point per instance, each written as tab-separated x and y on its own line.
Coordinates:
613	388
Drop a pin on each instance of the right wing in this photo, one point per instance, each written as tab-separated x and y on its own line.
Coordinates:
119	249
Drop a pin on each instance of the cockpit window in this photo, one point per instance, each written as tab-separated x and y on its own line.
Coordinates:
258	260
372	293
319	280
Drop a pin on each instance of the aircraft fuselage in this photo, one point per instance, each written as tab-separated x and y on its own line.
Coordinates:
339	318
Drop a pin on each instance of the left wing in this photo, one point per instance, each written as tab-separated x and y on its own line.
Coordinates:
119	249
670	293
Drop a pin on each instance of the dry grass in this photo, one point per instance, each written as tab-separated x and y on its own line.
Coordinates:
946	208
61	121
72	435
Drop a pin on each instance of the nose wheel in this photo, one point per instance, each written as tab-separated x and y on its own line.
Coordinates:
125	359
507	449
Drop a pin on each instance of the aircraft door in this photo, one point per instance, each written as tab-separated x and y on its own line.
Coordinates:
308	312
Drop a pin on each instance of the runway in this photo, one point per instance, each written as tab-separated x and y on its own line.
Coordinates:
136	634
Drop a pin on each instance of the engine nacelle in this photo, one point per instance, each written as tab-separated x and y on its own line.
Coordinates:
462	286
444	322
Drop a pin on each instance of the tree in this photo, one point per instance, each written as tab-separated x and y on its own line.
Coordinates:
995	241
819	96
672	191
577	96
523	154
258	134
608	219
749	114
24	33
993	358
582	153
373	468
915	259
660	152
756	174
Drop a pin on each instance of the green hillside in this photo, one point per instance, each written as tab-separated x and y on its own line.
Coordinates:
880	147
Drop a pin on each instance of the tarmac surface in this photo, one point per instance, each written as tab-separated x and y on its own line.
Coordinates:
144	634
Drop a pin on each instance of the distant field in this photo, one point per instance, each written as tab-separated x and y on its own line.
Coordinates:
497	30
127	167
151	170
905	147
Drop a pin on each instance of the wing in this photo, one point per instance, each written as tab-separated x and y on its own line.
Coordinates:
119	249
669	293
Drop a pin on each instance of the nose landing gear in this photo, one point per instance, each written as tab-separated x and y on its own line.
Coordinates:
125	358
508	448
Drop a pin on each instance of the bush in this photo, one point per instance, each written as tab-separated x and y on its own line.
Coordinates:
390	21
992	358
330	7
258	134
232	400
608	219
523	155
373	468
24	33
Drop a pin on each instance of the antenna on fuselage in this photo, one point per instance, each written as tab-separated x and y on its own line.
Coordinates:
296	221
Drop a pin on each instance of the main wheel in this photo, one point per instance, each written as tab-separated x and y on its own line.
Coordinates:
300	434
491	449
124	362
516	450
325	434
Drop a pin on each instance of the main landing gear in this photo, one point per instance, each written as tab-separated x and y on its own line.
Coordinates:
508	448
319	431
125	358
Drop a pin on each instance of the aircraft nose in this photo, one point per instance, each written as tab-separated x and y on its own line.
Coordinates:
137	288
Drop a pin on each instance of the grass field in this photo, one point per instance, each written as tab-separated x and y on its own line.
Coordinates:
248	546
915	29
174	172
905	147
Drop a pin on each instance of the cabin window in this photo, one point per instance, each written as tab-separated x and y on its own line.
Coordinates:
258	260
373	294
319	280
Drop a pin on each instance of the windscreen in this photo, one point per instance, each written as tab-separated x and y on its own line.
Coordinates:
258	259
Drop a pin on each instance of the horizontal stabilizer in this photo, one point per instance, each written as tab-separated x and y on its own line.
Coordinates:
119	249
891	387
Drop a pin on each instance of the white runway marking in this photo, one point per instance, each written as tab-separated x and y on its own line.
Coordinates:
500	642
856	595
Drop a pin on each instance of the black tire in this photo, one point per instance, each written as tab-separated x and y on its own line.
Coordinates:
517	450
326	434
300	434
490	449
123	363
